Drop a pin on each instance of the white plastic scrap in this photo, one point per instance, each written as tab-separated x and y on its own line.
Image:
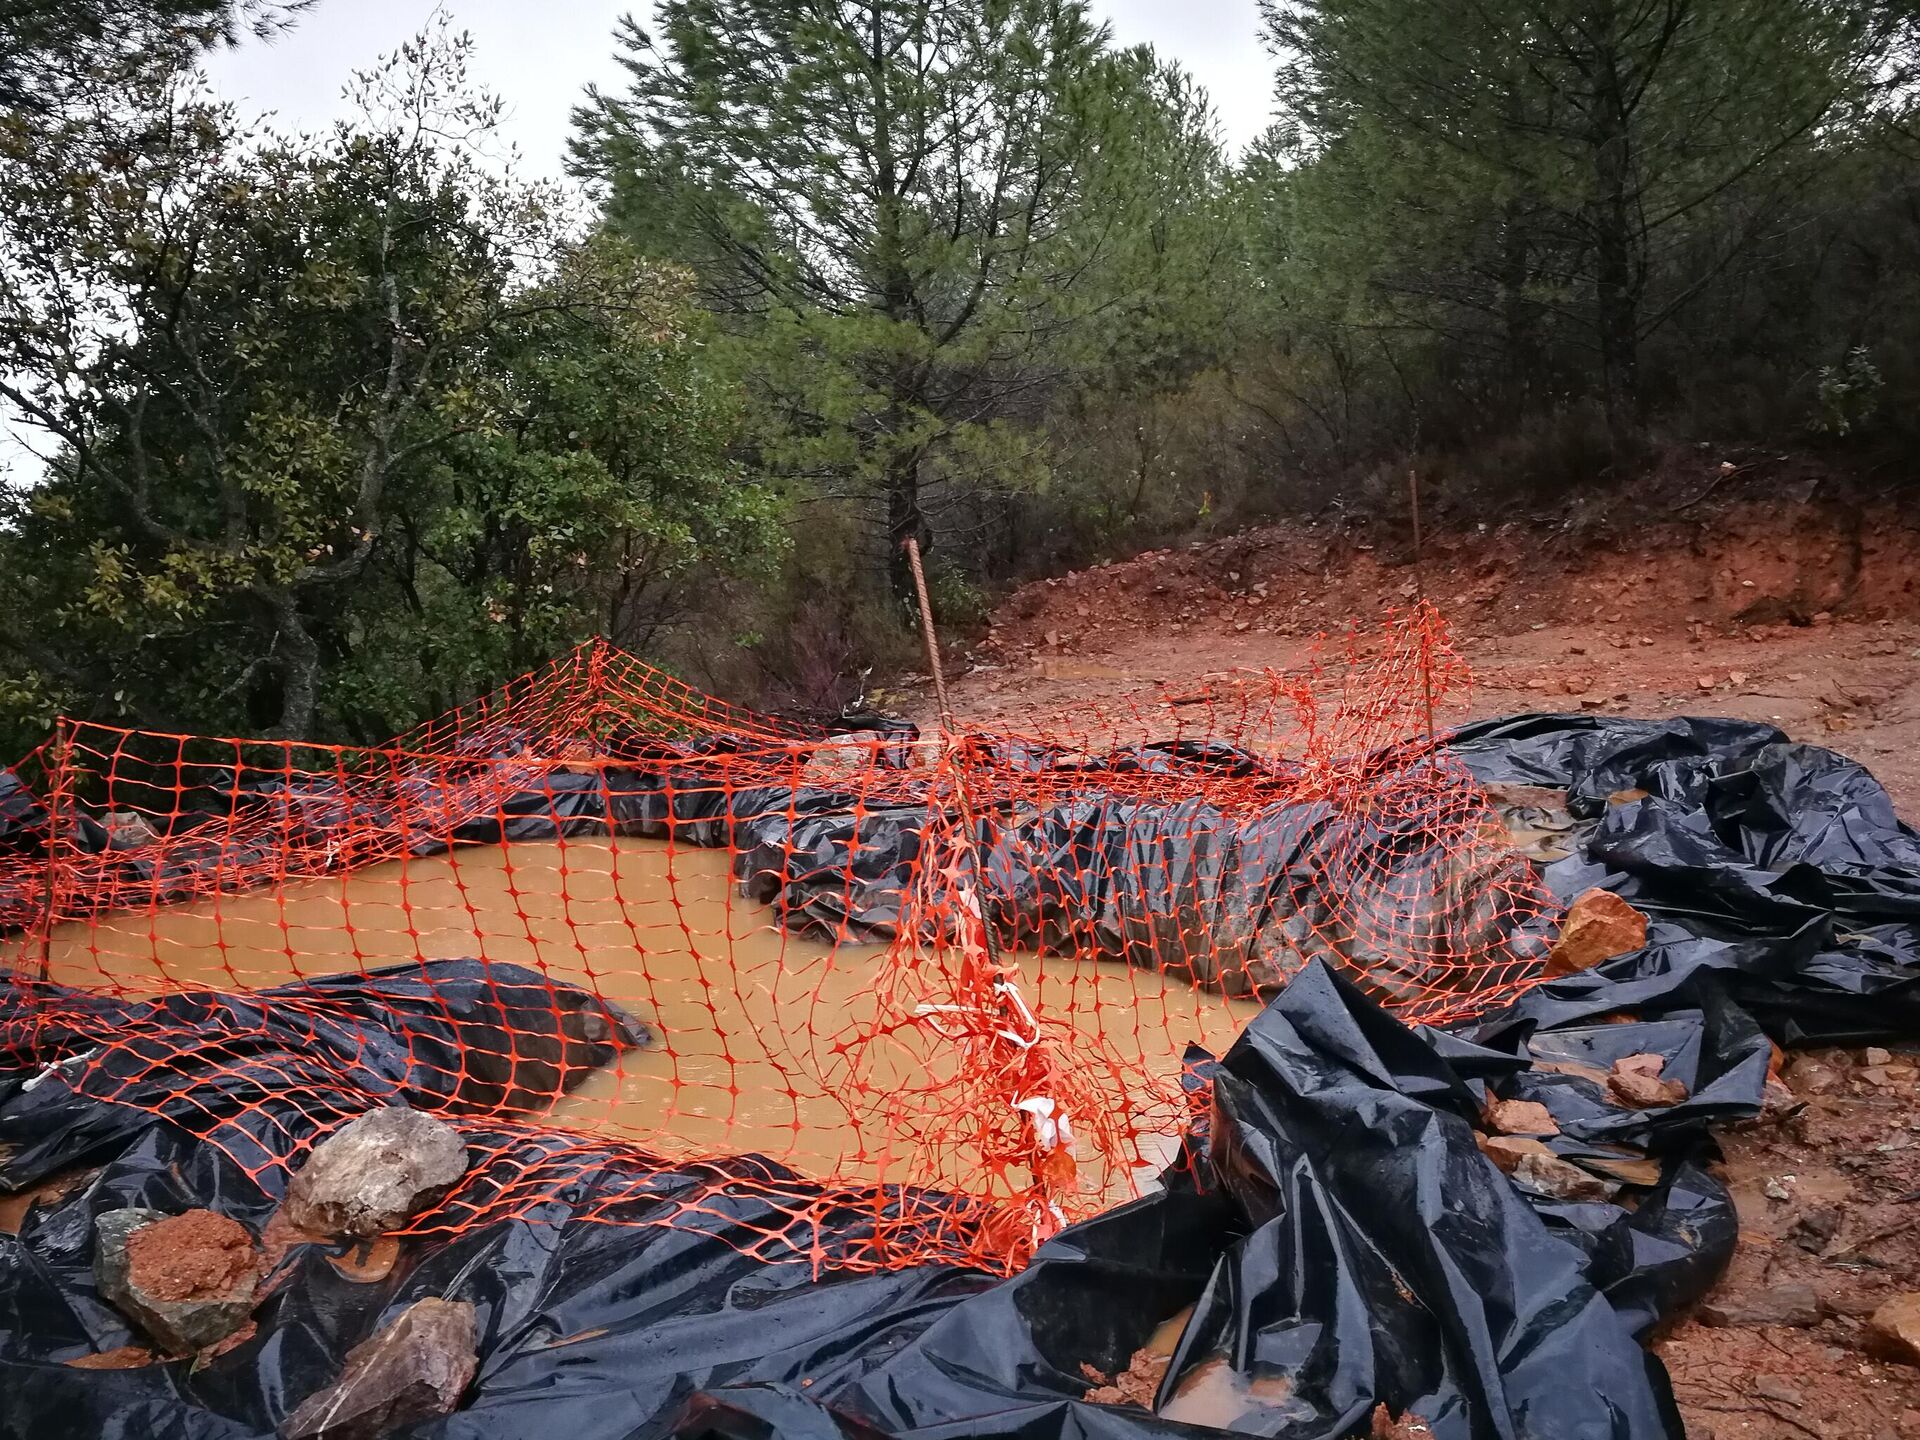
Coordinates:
58	1066
1050	1132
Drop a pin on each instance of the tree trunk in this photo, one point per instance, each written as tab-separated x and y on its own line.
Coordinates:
1519	317
1616	294
299	673
1617	316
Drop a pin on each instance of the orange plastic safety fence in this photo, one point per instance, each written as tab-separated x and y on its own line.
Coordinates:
936	993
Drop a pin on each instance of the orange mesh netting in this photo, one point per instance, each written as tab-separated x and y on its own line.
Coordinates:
935	993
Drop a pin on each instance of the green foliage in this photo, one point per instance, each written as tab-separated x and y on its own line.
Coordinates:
345	429
57	53
341	429
1475	210
926	224
1847	395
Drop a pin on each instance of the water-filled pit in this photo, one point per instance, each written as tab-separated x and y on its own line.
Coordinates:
747	1020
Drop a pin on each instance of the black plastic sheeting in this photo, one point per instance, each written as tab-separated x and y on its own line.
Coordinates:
1334	1226
1231	901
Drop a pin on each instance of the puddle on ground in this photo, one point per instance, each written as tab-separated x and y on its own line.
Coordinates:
1211	1393
1217	1396
750	1022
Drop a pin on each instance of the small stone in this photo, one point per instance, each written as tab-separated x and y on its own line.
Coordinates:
1506	1151
1520	1117
1814	1230
1534	1166
1550	1175
1635	1083
375	1172
1809	1077
1876	1056
128	830
1599	926
1875	1076
1705	682
187	1280
414	1370
1841	1299
1774	1190
1893	1330
834	759
1772	1387
1793	1306
1777	1102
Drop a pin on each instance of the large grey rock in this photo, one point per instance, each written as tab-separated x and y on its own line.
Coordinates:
189	1281
374	1172
416	1369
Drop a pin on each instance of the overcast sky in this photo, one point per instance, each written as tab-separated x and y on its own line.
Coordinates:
538	55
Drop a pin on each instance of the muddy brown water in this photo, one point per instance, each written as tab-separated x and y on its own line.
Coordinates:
749	1021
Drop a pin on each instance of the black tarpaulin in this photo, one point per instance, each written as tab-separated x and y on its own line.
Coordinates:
1339	1236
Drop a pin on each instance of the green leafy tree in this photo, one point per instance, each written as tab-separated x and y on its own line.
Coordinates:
53	52
1591	165
920	216
336	429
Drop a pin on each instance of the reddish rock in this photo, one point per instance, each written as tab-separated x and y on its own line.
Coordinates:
1599	926
1506	1151
190	1256
1136	1385
1894	1329
1550	1175
187	1280
1808	1076
1635	1083
1520	1117
1794	1306
1536	1168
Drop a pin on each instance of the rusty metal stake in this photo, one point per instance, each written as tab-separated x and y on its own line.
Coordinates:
926	632
956	751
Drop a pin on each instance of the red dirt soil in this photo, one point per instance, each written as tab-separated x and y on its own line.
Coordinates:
191	1256
1775	605
1804	615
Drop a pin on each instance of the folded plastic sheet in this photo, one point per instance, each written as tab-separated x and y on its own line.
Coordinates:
1339	1237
